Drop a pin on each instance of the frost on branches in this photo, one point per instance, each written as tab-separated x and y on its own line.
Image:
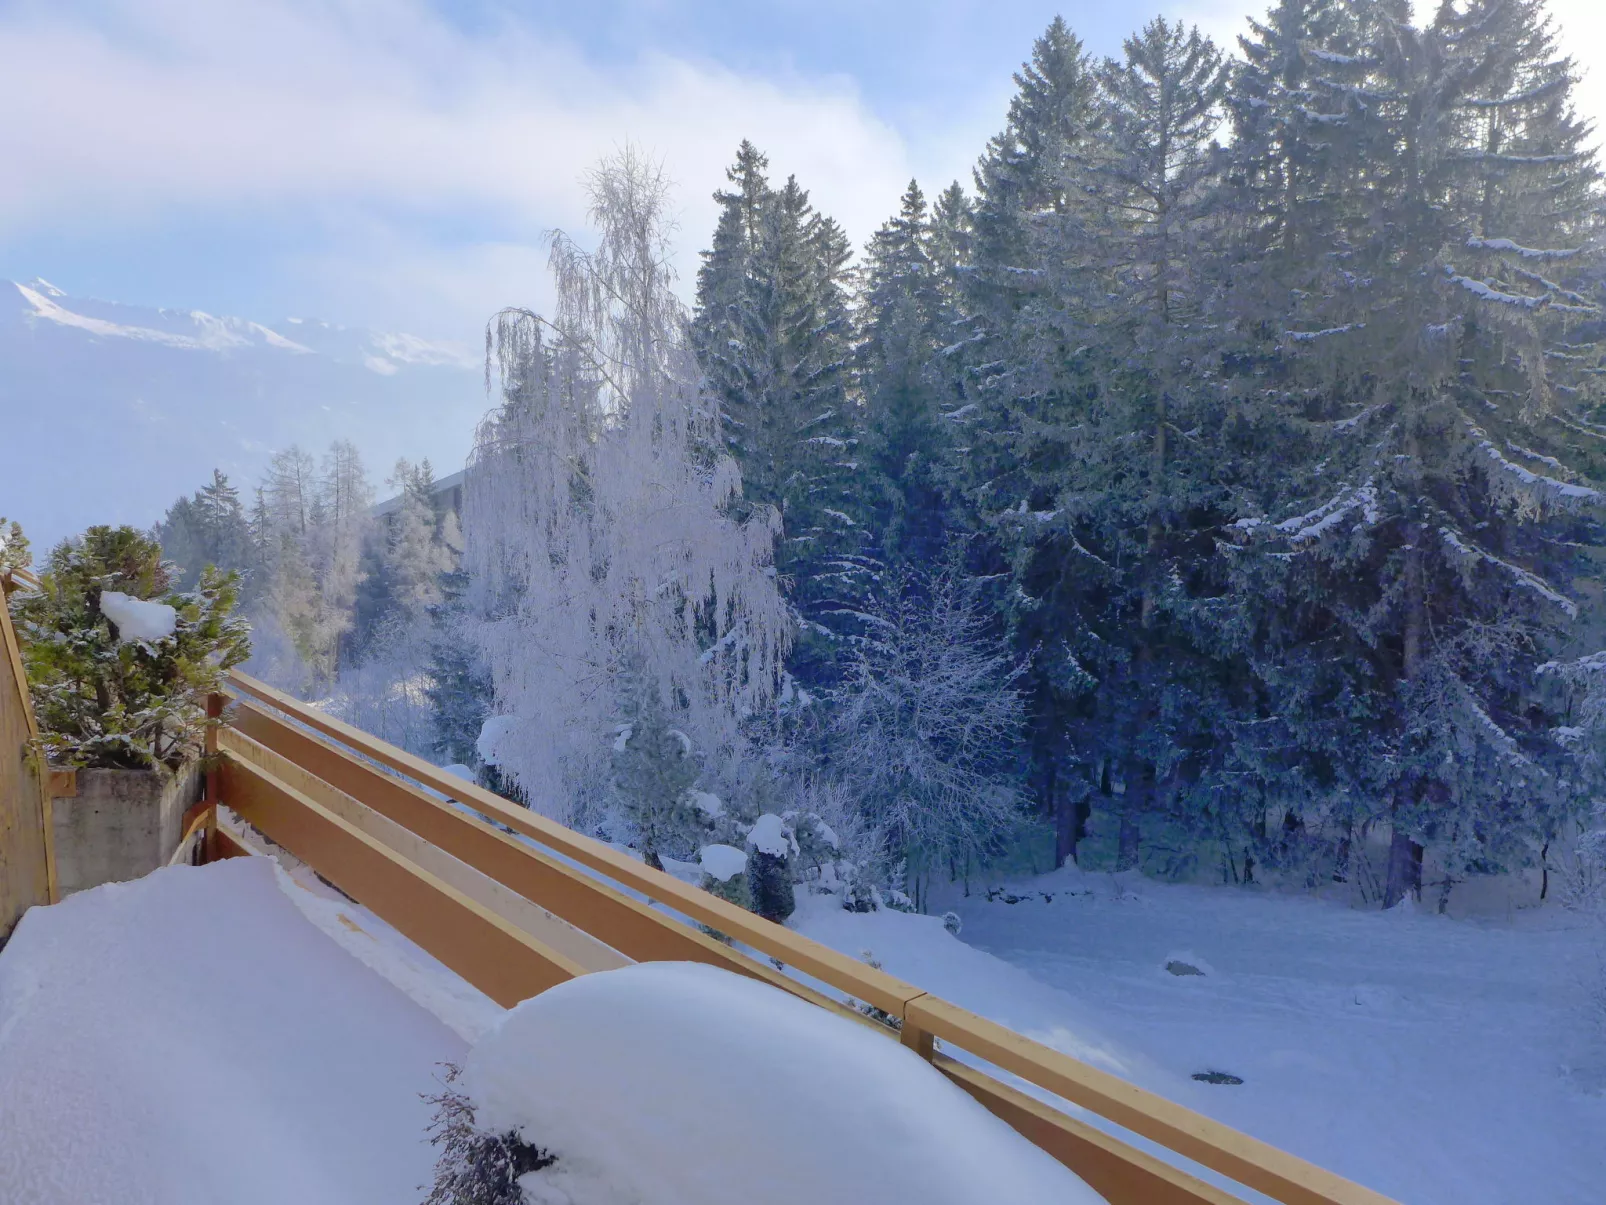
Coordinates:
599	528
929	719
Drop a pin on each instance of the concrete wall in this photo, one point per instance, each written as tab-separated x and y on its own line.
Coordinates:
121	825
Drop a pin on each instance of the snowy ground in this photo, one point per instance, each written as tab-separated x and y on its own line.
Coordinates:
1428	1058
1424	1057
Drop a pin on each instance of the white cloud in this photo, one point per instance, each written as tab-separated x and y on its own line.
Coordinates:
386	119
433	158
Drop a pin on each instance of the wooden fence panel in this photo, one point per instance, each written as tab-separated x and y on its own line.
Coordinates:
26	866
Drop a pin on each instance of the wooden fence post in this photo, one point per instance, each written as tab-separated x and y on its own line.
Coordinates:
214	715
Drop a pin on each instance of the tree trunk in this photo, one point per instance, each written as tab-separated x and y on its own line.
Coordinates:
1126	856
1070	824
1405	869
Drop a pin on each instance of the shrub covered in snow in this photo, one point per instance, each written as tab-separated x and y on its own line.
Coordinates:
120	665
725	875
476	1167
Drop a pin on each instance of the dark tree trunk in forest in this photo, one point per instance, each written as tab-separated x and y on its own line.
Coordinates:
1126	856
1070	823
1405	869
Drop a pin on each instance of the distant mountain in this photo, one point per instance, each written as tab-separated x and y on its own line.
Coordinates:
109	412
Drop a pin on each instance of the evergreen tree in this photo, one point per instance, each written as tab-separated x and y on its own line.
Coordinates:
773	335
459	691
653	772
209	528
109	695
907	396
1440	518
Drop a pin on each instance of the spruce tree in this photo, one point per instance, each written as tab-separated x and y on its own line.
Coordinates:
773	335
907	396
1446	501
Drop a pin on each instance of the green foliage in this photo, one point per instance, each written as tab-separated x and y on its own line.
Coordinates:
653	773
14	552
124	703
208	528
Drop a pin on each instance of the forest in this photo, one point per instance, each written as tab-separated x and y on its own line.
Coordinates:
1211	485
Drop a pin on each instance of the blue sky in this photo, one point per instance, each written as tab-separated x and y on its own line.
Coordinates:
395	162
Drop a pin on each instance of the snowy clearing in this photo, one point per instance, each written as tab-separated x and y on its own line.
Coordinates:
1428	1058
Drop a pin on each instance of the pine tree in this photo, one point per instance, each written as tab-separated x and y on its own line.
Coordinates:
907	395
209	528
117	698
1441	516
773	335
460	692
653	771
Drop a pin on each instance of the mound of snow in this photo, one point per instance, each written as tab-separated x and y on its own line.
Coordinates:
137	619
497	737
769	836
722	862
683	1084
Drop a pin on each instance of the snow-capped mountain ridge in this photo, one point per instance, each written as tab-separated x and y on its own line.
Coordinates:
111	411
379	351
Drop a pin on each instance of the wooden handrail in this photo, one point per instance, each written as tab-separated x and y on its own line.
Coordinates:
1126	1175
846	974
503	961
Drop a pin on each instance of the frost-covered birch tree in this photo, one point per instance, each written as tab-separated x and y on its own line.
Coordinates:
600	517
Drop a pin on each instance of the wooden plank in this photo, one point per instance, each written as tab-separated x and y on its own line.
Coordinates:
1250	1162
1117	1171
27	837
504	962
633	928
846	974
553	931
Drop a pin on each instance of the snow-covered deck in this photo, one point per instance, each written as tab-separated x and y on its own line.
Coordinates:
194	1038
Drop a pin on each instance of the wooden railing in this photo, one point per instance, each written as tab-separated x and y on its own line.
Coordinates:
27	862
515	903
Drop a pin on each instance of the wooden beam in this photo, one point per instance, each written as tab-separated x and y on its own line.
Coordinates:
223	843
1117	1171
40	775
504	962
553	931
840	971
633	928
1250	1162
